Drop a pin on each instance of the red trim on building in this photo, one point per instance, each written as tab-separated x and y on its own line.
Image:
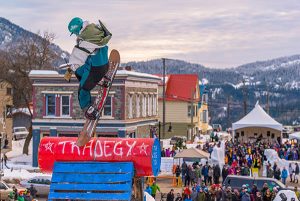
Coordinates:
57	105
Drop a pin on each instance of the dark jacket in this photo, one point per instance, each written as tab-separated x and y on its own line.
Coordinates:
170	196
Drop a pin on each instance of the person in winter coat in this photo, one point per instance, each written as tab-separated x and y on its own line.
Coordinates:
188	198
267	196
284	175
235	195
194	194
205	173
217	174
291	171
154	189
245	196
201	195
258	196
277	174
228	195
210	175
224	172
270	173
148	189
178	197
183	171
95	39
170	196
297	172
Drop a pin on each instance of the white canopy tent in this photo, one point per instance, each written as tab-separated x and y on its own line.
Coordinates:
295	135
257	118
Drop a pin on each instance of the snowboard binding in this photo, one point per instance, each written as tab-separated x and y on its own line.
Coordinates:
105	82
92	113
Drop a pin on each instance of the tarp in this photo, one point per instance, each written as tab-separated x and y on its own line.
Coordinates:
286	195
257	117
295	135
192	153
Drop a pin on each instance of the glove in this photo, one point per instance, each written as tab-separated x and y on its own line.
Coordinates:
68	74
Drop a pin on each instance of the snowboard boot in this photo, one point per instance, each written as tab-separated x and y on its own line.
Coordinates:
91	113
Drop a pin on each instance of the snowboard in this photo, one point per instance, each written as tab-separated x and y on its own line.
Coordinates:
89	127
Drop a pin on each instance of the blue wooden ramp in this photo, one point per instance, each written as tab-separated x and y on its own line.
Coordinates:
91	181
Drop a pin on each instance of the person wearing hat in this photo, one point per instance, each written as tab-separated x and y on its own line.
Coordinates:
201	195
154	189
89	60
170	196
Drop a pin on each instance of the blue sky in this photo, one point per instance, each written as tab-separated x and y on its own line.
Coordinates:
216	33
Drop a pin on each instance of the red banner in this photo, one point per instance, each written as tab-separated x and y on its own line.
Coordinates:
143	152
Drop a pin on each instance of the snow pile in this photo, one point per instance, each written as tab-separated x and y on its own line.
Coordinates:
20	174
273	157
218	155
16	158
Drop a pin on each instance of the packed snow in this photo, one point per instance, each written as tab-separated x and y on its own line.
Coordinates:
20	165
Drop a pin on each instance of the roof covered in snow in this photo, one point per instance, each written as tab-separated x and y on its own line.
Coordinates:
257	117
138	74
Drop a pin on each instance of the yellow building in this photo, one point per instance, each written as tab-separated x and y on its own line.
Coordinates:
6	102
203	119
182	97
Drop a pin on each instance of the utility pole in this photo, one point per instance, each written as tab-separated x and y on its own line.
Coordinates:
245	97
228	111
164	97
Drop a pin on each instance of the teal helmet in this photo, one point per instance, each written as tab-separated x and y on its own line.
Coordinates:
75	25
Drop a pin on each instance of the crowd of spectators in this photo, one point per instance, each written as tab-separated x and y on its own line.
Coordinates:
203	182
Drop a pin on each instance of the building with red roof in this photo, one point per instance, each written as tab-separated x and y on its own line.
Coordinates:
182	97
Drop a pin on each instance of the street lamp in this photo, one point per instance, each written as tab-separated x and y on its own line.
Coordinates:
163	125
164	97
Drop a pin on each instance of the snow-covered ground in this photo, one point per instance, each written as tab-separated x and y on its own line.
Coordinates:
20	165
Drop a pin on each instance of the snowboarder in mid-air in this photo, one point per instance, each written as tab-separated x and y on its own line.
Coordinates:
89	60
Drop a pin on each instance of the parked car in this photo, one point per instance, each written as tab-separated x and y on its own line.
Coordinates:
236	182
19	133
217	127
174	139
40	183
4	191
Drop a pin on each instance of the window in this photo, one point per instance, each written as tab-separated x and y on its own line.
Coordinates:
107	109
154	104
8	91
129	106
204	98
144	105
190	110
196	110
138	112
149	105
50	105
65	105
205	116
2	186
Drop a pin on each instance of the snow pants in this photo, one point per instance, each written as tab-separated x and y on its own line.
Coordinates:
89	74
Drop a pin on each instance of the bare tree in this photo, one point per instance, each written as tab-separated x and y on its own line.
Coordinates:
20	58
